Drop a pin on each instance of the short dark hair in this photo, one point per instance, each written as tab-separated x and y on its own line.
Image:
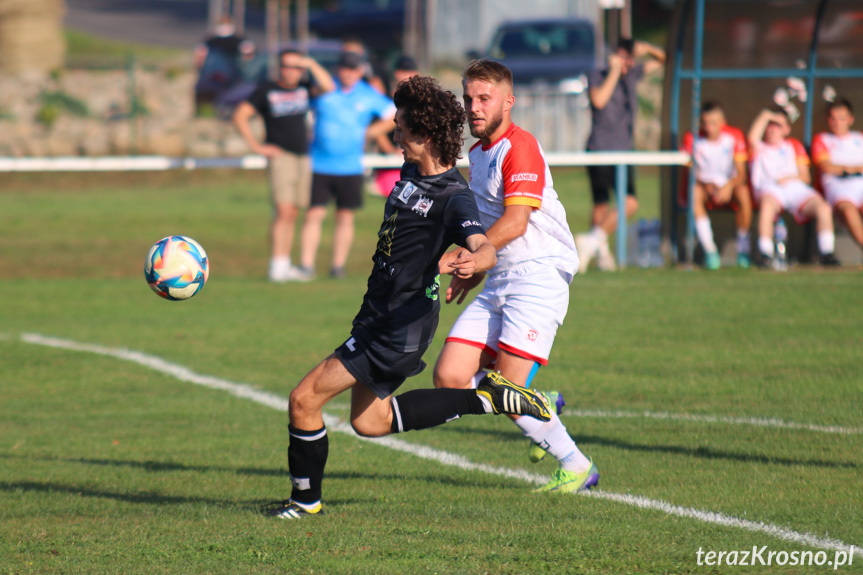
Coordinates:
287	51
428	110
711	106
487	71
840	103
783	111
627	44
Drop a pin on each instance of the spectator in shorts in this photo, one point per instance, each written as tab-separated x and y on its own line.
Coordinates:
719	157
344	120
614	103
838	155
780	179
284	107
386	178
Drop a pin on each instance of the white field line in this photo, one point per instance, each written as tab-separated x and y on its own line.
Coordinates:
334	424
755	421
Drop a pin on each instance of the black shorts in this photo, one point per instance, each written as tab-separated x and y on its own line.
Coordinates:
602	179
347	190
379	368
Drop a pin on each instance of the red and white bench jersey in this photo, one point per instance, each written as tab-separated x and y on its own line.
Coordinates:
513	171
846	150
715	160
769	164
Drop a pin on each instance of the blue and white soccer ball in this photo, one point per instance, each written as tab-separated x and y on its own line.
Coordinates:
177	267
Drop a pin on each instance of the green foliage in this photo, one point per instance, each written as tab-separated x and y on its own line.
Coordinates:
111	467
56	103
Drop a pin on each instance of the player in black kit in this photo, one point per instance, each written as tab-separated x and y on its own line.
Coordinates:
430	209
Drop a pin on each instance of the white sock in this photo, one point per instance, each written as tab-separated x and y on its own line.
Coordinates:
742	241
705	234
765	246
280	265
826	242
478	376
599	235
553	437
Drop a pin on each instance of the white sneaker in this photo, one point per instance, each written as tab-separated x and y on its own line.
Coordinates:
300	274
585	245
280	274
605	260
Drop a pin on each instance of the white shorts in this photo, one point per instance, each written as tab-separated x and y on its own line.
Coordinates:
518	311
849	190
792	196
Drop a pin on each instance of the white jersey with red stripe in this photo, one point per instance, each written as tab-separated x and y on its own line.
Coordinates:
769	164
716	160
846	150
513	171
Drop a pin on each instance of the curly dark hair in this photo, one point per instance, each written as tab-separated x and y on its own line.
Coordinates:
428	110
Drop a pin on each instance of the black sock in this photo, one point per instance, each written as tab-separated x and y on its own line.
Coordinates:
307	457
424	408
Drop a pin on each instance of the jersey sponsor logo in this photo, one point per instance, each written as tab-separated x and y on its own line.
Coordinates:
404	193
492	167
432	290
532	335
469	223
385	235
524	177
423	206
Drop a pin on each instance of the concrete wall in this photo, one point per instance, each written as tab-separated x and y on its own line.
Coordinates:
31	35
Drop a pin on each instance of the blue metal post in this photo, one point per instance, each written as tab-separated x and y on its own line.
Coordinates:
674	121
698	43
810	75
620	184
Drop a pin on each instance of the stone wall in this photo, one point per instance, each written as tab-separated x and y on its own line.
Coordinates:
167	124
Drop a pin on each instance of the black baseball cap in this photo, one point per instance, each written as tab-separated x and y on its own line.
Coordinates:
350	60
406	63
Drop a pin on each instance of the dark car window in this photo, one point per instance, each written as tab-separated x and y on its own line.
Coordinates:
538	41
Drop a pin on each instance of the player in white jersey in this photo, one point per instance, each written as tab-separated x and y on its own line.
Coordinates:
838	154
719	156
780	178
512	322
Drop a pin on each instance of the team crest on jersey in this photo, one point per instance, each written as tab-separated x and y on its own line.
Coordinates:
423	206
404	193
532	335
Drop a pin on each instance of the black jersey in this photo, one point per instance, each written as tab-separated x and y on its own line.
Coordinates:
284	111
424	215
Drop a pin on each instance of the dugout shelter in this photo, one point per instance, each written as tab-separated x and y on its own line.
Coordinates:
748	55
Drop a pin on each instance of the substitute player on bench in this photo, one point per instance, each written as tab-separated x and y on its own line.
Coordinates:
838	154
719	156
780	178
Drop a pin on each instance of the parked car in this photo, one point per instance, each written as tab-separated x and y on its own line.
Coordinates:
379	24
553	53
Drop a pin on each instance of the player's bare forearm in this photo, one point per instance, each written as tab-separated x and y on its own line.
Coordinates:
511	225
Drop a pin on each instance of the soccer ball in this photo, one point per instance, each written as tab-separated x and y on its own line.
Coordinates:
177	267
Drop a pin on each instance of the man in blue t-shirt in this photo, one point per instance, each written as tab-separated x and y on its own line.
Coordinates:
344	120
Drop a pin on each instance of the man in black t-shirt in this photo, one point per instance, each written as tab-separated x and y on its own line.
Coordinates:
429	209
284	107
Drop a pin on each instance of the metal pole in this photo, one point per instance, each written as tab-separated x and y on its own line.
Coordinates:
285	20
674	125
272	25
303	23
620	185
810	74
240	16
694	114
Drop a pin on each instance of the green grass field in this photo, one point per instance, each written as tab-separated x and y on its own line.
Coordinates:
722	409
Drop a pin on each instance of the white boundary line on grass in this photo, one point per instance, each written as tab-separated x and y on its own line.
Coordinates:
280	403
755	421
